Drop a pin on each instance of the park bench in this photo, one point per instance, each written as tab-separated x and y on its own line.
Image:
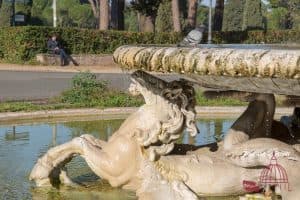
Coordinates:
81	59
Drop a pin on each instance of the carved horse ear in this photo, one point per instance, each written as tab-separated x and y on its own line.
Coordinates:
171	94
177	92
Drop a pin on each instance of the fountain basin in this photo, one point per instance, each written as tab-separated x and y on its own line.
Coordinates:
41	136
250	68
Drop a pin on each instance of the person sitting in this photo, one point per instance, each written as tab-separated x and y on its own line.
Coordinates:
55	48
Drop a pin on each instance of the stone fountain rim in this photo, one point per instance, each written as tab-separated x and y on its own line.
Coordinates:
281	77
285	46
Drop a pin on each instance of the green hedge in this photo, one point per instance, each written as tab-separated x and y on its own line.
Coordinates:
257	37
21	44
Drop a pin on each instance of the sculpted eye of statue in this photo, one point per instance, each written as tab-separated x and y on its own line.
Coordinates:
140	155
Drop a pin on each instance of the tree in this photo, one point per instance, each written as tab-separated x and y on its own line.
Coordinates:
79	14
233	15
292	10
23	8
218	17
131	20
163	22
176	16
5	14
192	13
202	15
147	12
104	16
38	14
146	23
95	5
82	16
277	18
252	19
70	13
117	14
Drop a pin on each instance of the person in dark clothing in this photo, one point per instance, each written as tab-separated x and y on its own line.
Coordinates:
55	48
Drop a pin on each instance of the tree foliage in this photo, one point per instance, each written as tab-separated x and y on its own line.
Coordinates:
252	18
131	20
163	21
147	12
277	18
284	14
147	15
70	13
218	16
146	7
41	12
202	15
5	14
23	8
233	15
82	16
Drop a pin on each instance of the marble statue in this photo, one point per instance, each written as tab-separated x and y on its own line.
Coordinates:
141	155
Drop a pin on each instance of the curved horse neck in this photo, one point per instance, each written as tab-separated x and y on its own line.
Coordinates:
152	99
269	99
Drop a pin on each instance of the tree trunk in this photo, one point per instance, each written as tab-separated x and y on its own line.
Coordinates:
104	17
149	24
192	13
146	23
117	14
218	17
141	20
176	16
95	8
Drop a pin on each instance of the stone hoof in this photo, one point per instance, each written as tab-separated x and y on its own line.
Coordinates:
40	173
64	179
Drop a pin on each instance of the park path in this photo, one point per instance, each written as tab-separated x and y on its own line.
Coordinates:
111	68
27	82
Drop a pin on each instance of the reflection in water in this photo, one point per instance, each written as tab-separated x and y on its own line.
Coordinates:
14	135
54	134
21	146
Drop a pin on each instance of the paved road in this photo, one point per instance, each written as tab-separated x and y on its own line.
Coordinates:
40	85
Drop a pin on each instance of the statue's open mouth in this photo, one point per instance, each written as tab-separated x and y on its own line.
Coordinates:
152	83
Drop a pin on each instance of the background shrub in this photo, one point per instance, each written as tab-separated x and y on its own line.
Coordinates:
87	91
257	37
21	44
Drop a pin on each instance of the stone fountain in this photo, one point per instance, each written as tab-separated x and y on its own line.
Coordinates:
143	155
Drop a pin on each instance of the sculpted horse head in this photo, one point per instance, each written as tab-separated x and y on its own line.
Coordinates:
175	100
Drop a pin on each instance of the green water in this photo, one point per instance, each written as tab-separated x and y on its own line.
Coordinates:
21	145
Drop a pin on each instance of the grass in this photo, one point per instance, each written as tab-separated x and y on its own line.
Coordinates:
28	106
88	92
221	101
112	99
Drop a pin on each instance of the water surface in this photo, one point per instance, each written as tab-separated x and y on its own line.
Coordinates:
21	145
